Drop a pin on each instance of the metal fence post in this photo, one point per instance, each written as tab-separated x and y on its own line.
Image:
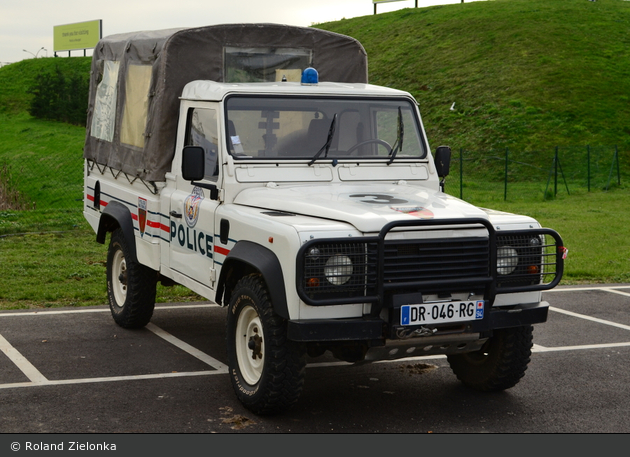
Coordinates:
618	172
505	183
461	173
555	173
612	167
588	166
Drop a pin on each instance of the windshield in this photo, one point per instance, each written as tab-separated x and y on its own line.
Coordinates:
323	128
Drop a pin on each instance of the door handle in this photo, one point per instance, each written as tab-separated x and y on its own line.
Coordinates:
175	214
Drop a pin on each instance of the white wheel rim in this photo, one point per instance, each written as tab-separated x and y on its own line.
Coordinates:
119	278
249	333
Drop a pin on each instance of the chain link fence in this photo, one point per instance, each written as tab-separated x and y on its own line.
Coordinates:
40	193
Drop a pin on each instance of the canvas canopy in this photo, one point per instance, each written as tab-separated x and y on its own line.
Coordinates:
137	79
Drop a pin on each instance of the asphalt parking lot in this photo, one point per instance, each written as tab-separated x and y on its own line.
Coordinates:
76	371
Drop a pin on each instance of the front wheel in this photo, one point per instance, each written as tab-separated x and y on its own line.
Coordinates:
499	364
266	369
131	286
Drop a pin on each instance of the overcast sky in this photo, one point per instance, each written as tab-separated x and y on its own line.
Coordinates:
26	26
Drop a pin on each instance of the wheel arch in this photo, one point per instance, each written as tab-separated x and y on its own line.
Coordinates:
113	216
246	258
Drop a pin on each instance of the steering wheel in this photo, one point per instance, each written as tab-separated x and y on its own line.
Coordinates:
370	141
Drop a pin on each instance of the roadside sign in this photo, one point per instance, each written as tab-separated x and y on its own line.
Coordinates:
80	35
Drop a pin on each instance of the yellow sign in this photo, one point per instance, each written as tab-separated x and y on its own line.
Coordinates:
81	35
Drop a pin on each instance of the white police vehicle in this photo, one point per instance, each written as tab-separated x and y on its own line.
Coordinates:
256	166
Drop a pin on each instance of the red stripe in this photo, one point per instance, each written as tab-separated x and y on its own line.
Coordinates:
153	224
158	225
220	250
91	198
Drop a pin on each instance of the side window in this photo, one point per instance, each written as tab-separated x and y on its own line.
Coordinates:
104	119
203	131
134	115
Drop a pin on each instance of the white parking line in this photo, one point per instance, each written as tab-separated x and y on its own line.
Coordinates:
618	292
38	379
95	310
582	289
589	318
538	348
214	363
22	363
60	382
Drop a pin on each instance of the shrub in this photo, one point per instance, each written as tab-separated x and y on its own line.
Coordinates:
60	96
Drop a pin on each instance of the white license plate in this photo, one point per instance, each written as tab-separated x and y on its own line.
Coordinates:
439	313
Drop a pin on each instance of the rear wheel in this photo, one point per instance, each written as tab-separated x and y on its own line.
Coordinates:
131	286
266	369
501	362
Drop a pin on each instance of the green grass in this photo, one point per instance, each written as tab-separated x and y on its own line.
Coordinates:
41	162
44	159
44	270
593	226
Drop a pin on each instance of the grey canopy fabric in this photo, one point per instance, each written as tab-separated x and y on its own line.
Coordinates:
137	79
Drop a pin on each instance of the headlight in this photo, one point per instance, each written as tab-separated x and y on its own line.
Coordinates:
507	260
336	272
338	269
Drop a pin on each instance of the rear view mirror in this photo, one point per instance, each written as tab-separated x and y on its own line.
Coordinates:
443	161
193	162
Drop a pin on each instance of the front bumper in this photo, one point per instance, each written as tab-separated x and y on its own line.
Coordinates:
377	331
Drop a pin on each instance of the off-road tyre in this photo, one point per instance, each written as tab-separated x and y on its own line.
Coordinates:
131	286
266	369
501	362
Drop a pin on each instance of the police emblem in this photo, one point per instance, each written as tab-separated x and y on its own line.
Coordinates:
142	214
191	207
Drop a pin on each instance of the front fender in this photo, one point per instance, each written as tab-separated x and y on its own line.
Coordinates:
247	257
113	216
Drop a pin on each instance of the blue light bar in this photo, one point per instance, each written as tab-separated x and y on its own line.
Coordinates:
310	77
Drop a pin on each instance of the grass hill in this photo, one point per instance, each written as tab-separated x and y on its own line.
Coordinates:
528	74
524	74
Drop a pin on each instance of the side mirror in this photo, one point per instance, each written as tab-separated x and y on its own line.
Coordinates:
443	161
193	162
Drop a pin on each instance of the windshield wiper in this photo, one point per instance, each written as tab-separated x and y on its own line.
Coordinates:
326	146
399	140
